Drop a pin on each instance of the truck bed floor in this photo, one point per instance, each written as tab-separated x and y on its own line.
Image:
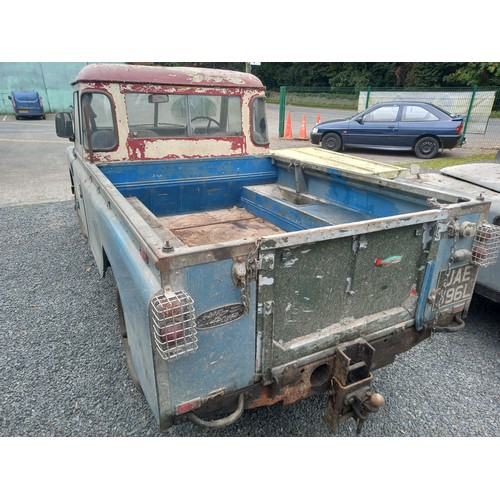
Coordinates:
204	228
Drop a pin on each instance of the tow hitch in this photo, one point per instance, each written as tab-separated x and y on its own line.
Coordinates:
351	395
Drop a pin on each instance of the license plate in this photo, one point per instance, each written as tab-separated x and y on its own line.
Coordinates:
459	285
23	111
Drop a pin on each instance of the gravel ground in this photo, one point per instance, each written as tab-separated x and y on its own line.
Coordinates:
63	370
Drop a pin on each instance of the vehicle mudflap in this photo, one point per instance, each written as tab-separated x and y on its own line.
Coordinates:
351	394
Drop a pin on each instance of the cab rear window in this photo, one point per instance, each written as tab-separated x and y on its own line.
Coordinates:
183	115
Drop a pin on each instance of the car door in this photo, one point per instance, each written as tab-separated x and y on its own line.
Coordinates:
377	127
416	121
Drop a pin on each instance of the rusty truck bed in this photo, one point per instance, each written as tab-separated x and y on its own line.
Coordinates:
203	228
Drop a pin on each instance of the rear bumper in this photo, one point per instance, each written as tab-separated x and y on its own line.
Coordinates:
29	112
450	142
301	380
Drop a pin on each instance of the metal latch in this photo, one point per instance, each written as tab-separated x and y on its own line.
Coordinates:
239	273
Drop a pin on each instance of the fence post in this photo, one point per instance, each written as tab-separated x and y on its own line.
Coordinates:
474	90
368	96
282	111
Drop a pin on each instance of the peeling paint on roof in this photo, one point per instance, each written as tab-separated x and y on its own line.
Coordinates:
127	73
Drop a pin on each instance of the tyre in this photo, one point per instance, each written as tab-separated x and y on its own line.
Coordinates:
426	148
332	142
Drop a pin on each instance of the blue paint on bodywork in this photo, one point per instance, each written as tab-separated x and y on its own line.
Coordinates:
375	201
176	187
291	216
137	282
283	214
447	247
424	293
225	358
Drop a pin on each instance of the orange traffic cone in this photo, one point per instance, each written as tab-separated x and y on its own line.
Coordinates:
288	128
303	131
318	119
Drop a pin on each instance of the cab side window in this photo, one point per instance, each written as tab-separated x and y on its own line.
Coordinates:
260	133
98	125
417	114
382	114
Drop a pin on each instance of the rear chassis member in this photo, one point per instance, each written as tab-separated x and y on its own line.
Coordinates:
339	374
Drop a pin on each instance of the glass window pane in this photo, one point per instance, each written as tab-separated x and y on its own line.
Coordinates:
382	114
97	111
417	114
176	115
259	128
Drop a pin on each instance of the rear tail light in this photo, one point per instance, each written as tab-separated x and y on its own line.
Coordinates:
459	129
173	324
486	245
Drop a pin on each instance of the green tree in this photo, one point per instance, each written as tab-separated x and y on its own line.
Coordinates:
482	73
361	74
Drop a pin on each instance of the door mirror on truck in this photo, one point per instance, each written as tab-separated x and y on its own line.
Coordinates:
64	126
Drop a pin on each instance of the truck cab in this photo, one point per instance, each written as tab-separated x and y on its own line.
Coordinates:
170	113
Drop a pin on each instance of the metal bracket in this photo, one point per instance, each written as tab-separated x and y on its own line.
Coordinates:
300	180
351	393
240	274
266	262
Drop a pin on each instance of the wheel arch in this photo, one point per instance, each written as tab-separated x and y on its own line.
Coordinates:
338	134
434	136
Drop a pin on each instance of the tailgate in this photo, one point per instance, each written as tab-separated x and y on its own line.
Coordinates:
316	295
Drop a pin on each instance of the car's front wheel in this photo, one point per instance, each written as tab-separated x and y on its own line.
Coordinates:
332	141
427	148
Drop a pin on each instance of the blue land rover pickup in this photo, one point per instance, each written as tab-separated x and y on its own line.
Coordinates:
247	277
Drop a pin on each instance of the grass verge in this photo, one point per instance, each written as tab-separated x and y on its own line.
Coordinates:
437	163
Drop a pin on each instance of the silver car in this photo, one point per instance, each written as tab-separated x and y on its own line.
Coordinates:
474	180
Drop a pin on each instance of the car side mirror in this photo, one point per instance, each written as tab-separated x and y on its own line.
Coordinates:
64	126
10	97
361	120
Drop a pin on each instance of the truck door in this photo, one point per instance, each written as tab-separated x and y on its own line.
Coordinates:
76	172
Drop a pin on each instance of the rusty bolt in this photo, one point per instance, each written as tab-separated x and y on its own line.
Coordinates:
167	247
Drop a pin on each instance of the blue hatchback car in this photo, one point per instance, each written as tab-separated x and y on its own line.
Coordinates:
399	126
27	103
